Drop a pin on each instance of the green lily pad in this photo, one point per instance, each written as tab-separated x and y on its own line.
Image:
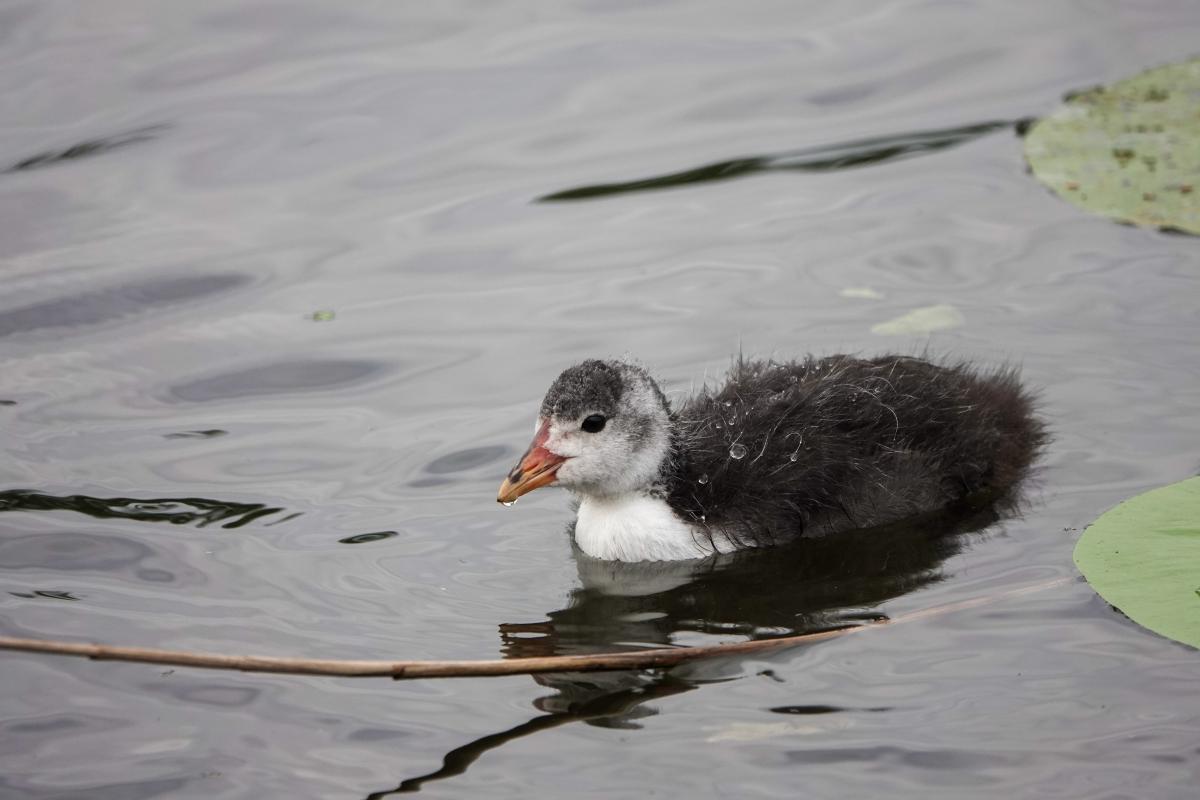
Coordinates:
1144	557
1130	151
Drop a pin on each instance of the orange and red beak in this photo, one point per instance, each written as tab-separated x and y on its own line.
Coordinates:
537	468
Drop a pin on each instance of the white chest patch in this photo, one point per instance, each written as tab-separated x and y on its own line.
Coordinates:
635	527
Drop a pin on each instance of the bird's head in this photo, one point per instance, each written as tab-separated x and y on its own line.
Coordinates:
604	428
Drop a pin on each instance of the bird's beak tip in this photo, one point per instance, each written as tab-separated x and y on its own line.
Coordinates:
537	468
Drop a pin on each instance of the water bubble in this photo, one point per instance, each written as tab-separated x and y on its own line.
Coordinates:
737	451
703	479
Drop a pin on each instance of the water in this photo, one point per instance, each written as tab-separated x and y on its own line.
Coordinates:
277	282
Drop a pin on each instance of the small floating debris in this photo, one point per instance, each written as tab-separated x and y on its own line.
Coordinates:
921	321
323	316
861	293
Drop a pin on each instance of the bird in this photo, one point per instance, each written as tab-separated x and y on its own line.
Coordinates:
778	451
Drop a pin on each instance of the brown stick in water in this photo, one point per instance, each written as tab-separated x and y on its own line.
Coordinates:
640	659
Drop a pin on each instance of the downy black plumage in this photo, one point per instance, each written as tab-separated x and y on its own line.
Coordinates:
779	450
841	442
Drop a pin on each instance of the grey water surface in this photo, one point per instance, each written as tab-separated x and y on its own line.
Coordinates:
198	455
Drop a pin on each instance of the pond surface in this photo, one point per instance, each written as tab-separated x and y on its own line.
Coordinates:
280	300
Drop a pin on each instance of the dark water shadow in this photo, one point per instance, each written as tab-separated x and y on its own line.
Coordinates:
282	377
178	511
823	158
211	433
131	790
808	586
117	302
87	148
455	466
818	709
366	538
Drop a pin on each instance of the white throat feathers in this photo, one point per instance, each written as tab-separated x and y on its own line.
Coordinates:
640	527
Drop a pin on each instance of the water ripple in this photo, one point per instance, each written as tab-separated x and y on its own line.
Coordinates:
177	511
823	158
378	161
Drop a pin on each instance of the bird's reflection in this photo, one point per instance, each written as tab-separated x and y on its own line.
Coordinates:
613	705
807	586
810	585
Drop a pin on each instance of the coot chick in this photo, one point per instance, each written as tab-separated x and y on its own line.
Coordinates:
780	450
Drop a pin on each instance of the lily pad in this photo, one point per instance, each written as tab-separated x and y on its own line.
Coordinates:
1130	151
1144	557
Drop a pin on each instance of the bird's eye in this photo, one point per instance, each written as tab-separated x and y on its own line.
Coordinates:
594	423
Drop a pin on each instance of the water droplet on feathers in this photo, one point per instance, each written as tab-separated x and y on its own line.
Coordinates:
737	451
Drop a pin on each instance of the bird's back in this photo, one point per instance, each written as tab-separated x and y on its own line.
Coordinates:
810	447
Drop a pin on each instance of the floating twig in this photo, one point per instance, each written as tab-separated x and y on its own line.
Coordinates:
403	670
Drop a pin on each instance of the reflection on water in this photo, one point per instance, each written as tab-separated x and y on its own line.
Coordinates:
364	538
803	587
211	433
825	158
46	593
599	710
177	511
90	147
820	709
